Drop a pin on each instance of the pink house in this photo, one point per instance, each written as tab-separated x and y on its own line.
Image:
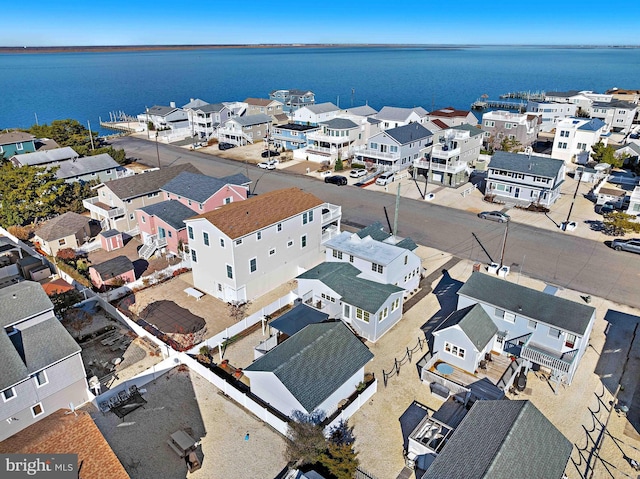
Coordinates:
113	271
162	225
204	193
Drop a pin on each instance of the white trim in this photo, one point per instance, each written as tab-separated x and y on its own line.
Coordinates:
12	389
46	379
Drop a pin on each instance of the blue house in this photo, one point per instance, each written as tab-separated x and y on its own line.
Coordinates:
291	136
15	143
293	99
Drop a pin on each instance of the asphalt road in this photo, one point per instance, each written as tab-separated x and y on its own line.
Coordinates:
566	261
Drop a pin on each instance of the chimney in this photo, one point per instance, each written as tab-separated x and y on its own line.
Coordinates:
172	104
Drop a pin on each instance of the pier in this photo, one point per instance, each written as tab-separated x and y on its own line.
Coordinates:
499	104
525	95
119	121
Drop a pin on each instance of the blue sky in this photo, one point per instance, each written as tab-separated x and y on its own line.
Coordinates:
67	23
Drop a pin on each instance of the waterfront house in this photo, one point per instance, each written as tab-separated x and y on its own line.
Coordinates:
116	200
453	117
315	114
542	329
293	99
291	136
618	115
631	96
205	119
575	97
270	107
115	271
448	160
246	248
574	138
244	130
489	444
503	125
340	290
551	112
631	151
165	117
385	261
395	149
16	143
42	370
393	117
98	168
44	157
525	179
362	111
68	230
312	371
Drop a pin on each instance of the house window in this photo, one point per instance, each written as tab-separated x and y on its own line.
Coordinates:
200	206
570	340
454	350
362	315
190	232
406	259
383	314
350	258
228	200
499	313
62	242
108	172
346	311
238	241
189	202
554	333
144	219
8	394
37	410
279	227
19	146
490	124
303	241
222	242
41	378
378	268
396	304
272	251
169	234
310	216
337	254
253	265
205	238
194	257
132	216
328	298
564	133
532	324
289	243
259	235
509	317
304	218
229	271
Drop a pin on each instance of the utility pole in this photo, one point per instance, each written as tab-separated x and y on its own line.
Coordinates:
575	193
395	219
157	150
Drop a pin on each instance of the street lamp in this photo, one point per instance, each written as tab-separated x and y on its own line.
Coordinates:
157	150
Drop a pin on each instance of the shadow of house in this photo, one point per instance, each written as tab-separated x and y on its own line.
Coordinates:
410	419
446	292
139	267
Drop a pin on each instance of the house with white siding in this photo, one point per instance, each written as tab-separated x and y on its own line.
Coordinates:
618	115
315	114
574	138
42	370
453	117
393	117
244	249
551	112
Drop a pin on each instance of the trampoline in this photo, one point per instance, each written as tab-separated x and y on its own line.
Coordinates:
168	317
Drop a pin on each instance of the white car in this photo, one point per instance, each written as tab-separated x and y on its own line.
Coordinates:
268	165
357	173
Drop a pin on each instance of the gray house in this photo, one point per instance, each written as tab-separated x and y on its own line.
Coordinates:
395	149
44	157
525	179
89	168
502	440
205	118
42	370
244	130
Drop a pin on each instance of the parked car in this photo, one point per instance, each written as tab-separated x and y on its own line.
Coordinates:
336	180
607	208
385	178
498	216
357	173
225	146
268	165
269	153
632	245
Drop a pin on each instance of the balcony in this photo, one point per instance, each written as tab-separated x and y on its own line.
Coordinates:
550	359
102	209
441	167
444	151
376	154
330	232
330	213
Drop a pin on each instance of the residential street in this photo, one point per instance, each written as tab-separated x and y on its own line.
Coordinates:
562	259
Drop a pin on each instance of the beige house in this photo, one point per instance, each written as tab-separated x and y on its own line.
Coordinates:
68	230
273	108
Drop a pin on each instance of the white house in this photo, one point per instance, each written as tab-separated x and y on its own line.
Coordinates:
246	248
551	112
341	291
315	114
580	99
42	370
393	117
618	115
165	117
574	138
311	371
205	119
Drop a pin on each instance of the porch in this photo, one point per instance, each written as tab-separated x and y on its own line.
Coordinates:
493	372
102	210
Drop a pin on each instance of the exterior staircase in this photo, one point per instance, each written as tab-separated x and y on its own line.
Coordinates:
150	246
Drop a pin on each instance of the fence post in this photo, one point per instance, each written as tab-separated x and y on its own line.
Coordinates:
397	366
384	378
409	353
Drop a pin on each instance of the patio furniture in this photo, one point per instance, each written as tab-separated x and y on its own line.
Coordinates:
194	293
487	357
483	364
440	391
181	443
133	402
104	406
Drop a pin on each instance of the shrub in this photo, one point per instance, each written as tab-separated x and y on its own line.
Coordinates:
21	232
67	254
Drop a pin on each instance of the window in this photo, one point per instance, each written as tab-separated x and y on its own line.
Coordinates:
279	227
205	238
564	133
328	298
289	243
41	378
108	172
383	314
346	311
62	242
378	268
272	251
532	324
132	216
337	254
395	304
200	206
144	219
454	350
303	241
228	200
509	317
350	258
37	410
362	315
406	259
310	216
570	340
554	333
229	271
490	124
238	241
19	146
259	235
8	394
253	265
190	232
222	242
194	256
304	218
499	313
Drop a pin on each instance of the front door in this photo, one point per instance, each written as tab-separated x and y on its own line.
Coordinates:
161	232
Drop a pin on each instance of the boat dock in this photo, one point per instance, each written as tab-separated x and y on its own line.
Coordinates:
119	121
499	104
525	95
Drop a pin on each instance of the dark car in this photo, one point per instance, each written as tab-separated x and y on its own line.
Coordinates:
498	216
632	245
267	153
225	146
605	209
336	180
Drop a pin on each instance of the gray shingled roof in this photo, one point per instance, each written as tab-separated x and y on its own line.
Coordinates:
554	311
364	110
562	94
159	110
394	113
66	224
592	125
110	233
315	362
297	319
339	124
343	279
528	164
199	187
171	212
22	300
625	105
297	127
474	322
409	133
85	165
211	107
473	131
11	137
194	103
114	267
45	156
407	243
146	183
502	440
375	231
322	108
250	120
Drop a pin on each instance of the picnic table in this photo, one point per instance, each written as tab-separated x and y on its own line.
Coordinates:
194	292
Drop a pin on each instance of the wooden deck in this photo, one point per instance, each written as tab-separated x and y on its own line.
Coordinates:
495	369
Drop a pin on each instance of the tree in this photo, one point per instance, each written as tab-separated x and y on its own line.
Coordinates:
29	193
606	154
510	145
305	442
339	165
339	460
74	194
618	223
68	255
63	301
